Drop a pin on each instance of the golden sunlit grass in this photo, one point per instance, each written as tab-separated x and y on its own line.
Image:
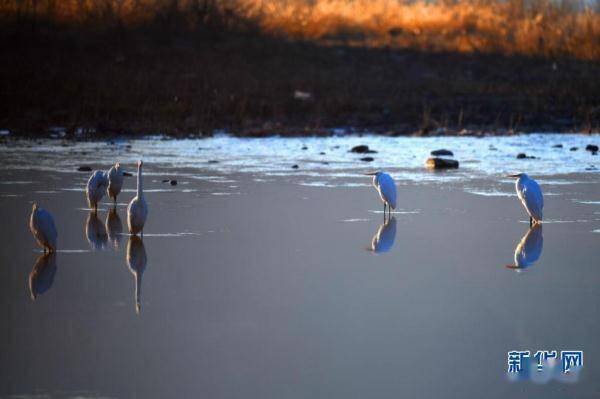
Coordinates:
541	27
537	27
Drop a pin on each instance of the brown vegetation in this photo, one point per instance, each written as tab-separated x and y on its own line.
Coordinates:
257	67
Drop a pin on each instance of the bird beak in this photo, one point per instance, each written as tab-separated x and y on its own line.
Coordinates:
127	174
512	267
370	173
515	175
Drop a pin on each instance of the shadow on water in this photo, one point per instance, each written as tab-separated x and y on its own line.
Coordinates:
136	262
95	232
114	227
42	274
529	249
383	240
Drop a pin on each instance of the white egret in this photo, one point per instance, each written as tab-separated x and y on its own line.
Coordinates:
383	240
137	211
43	229
96	187
530	194
115	181
385	186
529	250
136	261
42	274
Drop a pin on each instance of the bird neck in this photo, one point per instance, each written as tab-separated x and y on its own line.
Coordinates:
140	188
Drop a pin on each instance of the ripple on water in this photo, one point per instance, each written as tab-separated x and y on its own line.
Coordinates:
403	157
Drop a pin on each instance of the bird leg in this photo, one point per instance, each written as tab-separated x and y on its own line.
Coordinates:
530	221
384	207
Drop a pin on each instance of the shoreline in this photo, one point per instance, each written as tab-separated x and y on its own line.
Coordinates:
251	85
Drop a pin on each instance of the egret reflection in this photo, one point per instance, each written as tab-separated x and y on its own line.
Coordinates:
136	261
529	249
41	276
95	232
114	227
383	240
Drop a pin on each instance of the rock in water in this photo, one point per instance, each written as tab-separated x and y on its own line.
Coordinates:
295	166
362	149
173	182
437	153
557	146
573	149
367	159
522	155
84	169
441	163
591	147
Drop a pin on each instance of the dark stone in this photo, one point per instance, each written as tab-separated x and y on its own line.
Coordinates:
295	166
557	146
173	182
591	147
362	149
304	147
321	153
573	149
442	152
522	155
367	159
213	161
441	163
84	169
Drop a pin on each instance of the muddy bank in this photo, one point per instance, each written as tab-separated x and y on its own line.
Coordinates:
129	80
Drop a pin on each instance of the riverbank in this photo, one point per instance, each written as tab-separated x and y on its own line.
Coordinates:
162	78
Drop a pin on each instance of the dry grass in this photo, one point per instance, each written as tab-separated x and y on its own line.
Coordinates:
539	27
553	28
192	66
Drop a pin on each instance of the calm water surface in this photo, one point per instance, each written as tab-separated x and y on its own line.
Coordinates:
258	280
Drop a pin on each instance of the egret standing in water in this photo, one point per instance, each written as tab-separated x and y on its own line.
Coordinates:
41	224
530	194
137	211
115	181
385	186
96	187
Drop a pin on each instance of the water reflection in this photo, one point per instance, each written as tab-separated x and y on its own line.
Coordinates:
41	276
529	249
383	240
114	227
136	261
95	232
